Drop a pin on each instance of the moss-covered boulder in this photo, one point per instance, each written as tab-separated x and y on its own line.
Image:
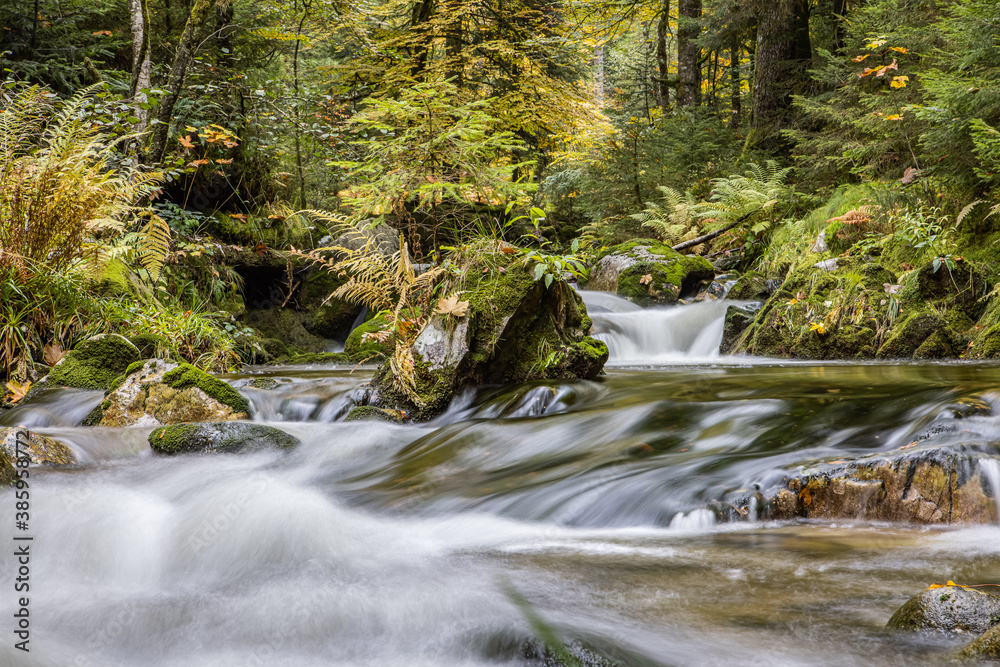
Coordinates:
515	329
41	450
752	286
219	438
286	325
362	347
95	363
8	472
322	315
984	647
649	273
939	485
738	318
923	335
836	309
160	392
365	413
948	609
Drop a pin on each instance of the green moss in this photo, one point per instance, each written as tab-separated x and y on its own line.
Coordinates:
187	375
95	363
358	350
370	413
219	437
907	336
149	344
751	286
319	358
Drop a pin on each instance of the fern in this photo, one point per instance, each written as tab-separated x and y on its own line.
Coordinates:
154	245
738	196
675	219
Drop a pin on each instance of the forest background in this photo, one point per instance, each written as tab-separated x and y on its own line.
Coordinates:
146	143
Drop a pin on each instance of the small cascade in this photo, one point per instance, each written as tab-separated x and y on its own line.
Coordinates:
991	471
59	406
637	335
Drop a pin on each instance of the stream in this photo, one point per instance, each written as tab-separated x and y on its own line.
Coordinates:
592	506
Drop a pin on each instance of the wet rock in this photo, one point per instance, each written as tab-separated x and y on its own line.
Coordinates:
948	609
516	329
738	318
158	392
287	326
649	273
929	487
370	413
751	286
219	437
41	450
95	363
985	646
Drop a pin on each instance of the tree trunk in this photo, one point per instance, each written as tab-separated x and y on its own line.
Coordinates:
182	59
662	59
453	42
599	76
688	67
779	69
140	61
735	81
840	8
422	12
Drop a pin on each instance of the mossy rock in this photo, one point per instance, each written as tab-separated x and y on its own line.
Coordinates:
751	286
148	344
219	437
909	336
984	647
8	472
738	319
359	350
324	316
95	363
515	329
317	358
624	269
186	375
371	413
947	609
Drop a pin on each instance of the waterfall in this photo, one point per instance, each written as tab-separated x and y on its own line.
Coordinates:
991	470
637	335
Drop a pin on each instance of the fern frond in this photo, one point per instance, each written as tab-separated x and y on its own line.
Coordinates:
154	245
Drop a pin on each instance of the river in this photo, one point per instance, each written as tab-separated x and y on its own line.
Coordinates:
595	510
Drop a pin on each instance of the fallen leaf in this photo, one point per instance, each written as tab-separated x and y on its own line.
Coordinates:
17	390
52	353
452	306
646	279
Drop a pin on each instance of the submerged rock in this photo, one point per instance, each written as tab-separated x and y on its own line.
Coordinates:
158	392
648	272
370	413
95	363
225	437
985	646
948	609
516	329
41	450
929	487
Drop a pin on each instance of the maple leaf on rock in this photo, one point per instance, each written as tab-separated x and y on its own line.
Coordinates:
452	306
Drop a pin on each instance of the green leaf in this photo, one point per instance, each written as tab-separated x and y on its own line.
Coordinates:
548	280
539	271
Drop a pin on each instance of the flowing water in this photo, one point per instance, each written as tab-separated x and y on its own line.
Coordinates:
593	506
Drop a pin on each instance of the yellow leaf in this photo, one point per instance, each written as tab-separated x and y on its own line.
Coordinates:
452	306
17	390
858	59
818	327
899	49
899	81
894	116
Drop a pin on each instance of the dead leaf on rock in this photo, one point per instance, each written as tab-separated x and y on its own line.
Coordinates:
17	390
452	306
52	353
646	279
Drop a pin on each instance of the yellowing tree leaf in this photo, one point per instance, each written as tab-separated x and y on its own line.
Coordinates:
899	49
899	81
452	306
17	390
52	353
858	59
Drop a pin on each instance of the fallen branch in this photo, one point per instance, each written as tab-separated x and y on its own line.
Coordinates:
711	235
